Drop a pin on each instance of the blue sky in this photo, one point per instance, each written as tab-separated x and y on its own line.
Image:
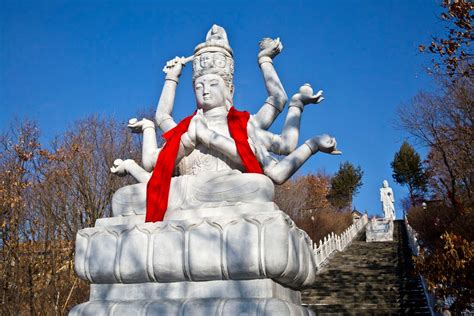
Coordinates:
64	60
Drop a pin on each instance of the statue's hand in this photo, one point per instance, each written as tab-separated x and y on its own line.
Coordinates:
139	126
120	167
174	67
270	48
203	133
306	96
323	143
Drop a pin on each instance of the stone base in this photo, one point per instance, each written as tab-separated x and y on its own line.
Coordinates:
238	209
265	245
379	230
247	297
264	288
248	263
194	307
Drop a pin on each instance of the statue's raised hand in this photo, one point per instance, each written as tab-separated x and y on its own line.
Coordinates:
323	143
139	126
174	67
269	48
307	96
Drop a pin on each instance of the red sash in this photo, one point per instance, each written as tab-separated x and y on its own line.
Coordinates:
158	186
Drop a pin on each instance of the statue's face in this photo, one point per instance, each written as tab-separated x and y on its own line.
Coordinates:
211	92
205	60
385	183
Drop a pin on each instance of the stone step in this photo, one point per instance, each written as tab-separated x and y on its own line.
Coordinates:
371	288
379	292
368	286
364	309
369	279
371	299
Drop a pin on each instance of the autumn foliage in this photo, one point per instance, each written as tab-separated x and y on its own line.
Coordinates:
305	199
449	269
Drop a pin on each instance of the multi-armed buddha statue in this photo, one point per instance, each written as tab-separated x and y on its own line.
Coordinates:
199	233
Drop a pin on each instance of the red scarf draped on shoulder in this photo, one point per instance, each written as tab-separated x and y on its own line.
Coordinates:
158	186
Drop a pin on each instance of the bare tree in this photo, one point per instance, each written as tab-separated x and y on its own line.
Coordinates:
444	124
46	196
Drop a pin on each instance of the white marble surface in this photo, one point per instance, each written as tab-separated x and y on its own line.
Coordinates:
194	307
208	164
388	199
259	288
379	230
262	245
221	209
221	223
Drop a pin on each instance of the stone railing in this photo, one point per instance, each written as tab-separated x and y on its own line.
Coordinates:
412	239
332	242
415	249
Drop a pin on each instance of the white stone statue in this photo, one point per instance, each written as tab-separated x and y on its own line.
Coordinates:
222	247
387	199
209	169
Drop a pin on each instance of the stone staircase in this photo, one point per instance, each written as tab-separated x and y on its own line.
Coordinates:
369	279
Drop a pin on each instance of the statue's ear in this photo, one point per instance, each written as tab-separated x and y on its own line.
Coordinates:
230	96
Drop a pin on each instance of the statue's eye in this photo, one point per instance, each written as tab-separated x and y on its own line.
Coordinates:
214	83
198	87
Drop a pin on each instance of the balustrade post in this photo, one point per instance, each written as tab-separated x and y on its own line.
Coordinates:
333	247
325	245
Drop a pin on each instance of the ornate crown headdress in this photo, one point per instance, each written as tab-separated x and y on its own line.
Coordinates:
214	56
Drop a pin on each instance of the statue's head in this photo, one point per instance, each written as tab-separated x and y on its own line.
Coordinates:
211	92
385	183
213	62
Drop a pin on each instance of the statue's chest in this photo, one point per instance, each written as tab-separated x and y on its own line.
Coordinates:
203	159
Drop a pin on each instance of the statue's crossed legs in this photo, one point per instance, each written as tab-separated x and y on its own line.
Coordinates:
211	189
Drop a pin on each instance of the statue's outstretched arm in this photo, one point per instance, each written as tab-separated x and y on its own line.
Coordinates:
277	97
150	150
280	171
129	166
164	109
285	143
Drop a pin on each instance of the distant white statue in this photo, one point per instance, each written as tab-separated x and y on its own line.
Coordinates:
218	156
387	199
